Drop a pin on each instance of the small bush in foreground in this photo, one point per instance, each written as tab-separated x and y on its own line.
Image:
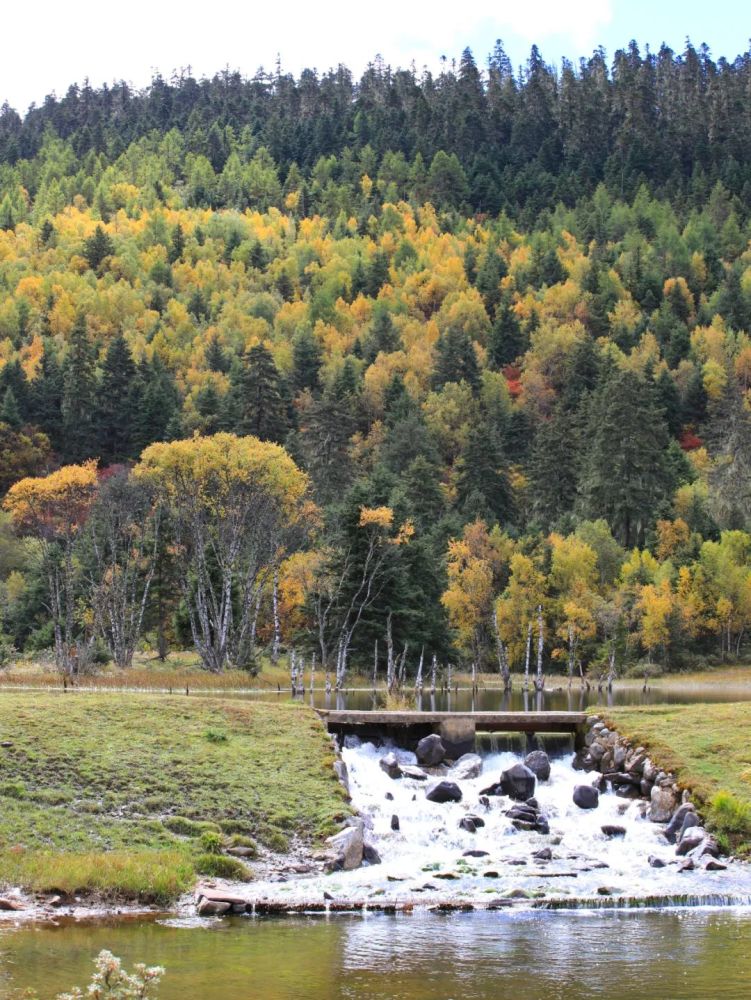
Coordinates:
112	981
729	816
219	866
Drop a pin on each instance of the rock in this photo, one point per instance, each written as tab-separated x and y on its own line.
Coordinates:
484	801
415	773
390	765
619	756
675	826
544	854
690	820
600	783
691	839
586	797
390	796
11	904
340	769
628	792
430	750
492	790
613	830
475	854
532	803
648	771
444	791
543	825
465	823
710	847
394	822
370	854
522	812
597	751
663	803
655	862
538	763
714	866
346	848
524	824
477	820
604	890
241	852
687	865
468	766
212	907
518	782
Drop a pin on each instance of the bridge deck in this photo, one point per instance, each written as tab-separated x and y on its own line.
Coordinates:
502	722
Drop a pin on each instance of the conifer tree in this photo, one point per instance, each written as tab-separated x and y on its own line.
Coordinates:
257	397
79	398
117	404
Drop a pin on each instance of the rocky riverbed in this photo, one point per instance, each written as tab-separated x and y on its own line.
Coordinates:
603	827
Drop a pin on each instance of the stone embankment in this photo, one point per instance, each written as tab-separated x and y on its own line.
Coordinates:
632	774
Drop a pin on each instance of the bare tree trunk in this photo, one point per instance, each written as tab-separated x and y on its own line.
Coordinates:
312	672
503	664
418	676
539	680
277	624
528	654
390	666
402	666
433	671
375	665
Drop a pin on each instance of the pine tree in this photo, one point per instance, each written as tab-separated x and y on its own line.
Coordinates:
483	485
117	404
626	477
97	247
554	468
382	336
156	405
47	396
306	361
455	360
9	413
257	397
79	438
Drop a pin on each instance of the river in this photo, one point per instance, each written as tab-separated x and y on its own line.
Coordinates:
681	954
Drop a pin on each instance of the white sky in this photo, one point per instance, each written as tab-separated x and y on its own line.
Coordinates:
50	45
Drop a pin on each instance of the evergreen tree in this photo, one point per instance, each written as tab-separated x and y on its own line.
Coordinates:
257	398
455	360
10	415
47	396
554	468
483	485
306	361
626	476
79	399
97	247
117	404
382	336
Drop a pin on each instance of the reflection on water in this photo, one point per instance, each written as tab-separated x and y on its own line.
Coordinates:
555	699
690	955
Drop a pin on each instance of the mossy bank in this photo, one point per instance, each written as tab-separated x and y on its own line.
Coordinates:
132	797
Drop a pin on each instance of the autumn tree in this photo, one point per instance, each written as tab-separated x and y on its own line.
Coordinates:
236	507
53	509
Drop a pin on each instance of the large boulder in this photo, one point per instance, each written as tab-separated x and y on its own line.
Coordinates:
518	782
663	803
539	764
690	840
430	750
390	765
444	791
415	773
212	907
346	848
675	826
586	797
468	766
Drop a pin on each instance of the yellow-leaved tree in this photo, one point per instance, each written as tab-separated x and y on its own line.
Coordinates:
53	509
236	507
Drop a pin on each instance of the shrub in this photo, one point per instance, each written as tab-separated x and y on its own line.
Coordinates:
216	735
229	826
211	842
729	816
220	866
185	827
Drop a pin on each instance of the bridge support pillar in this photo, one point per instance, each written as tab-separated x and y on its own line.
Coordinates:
458	736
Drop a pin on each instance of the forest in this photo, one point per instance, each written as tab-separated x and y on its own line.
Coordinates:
445	367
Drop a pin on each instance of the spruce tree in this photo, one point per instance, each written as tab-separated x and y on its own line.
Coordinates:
626	476
117	403
10	415
257	397
47	396
455	360
306	361
79	439
483	486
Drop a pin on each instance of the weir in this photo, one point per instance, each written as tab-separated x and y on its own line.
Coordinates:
456	729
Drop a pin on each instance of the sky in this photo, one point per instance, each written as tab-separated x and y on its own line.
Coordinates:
50	45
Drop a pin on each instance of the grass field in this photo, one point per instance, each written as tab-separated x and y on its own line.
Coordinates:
709	748
113	795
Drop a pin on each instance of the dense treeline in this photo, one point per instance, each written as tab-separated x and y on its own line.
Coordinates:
501	421
524	141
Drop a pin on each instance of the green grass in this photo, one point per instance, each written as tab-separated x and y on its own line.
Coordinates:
142	779
708	748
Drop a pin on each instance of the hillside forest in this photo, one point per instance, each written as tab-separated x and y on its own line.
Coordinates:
452	366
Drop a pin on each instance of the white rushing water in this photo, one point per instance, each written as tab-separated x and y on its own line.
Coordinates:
425	860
